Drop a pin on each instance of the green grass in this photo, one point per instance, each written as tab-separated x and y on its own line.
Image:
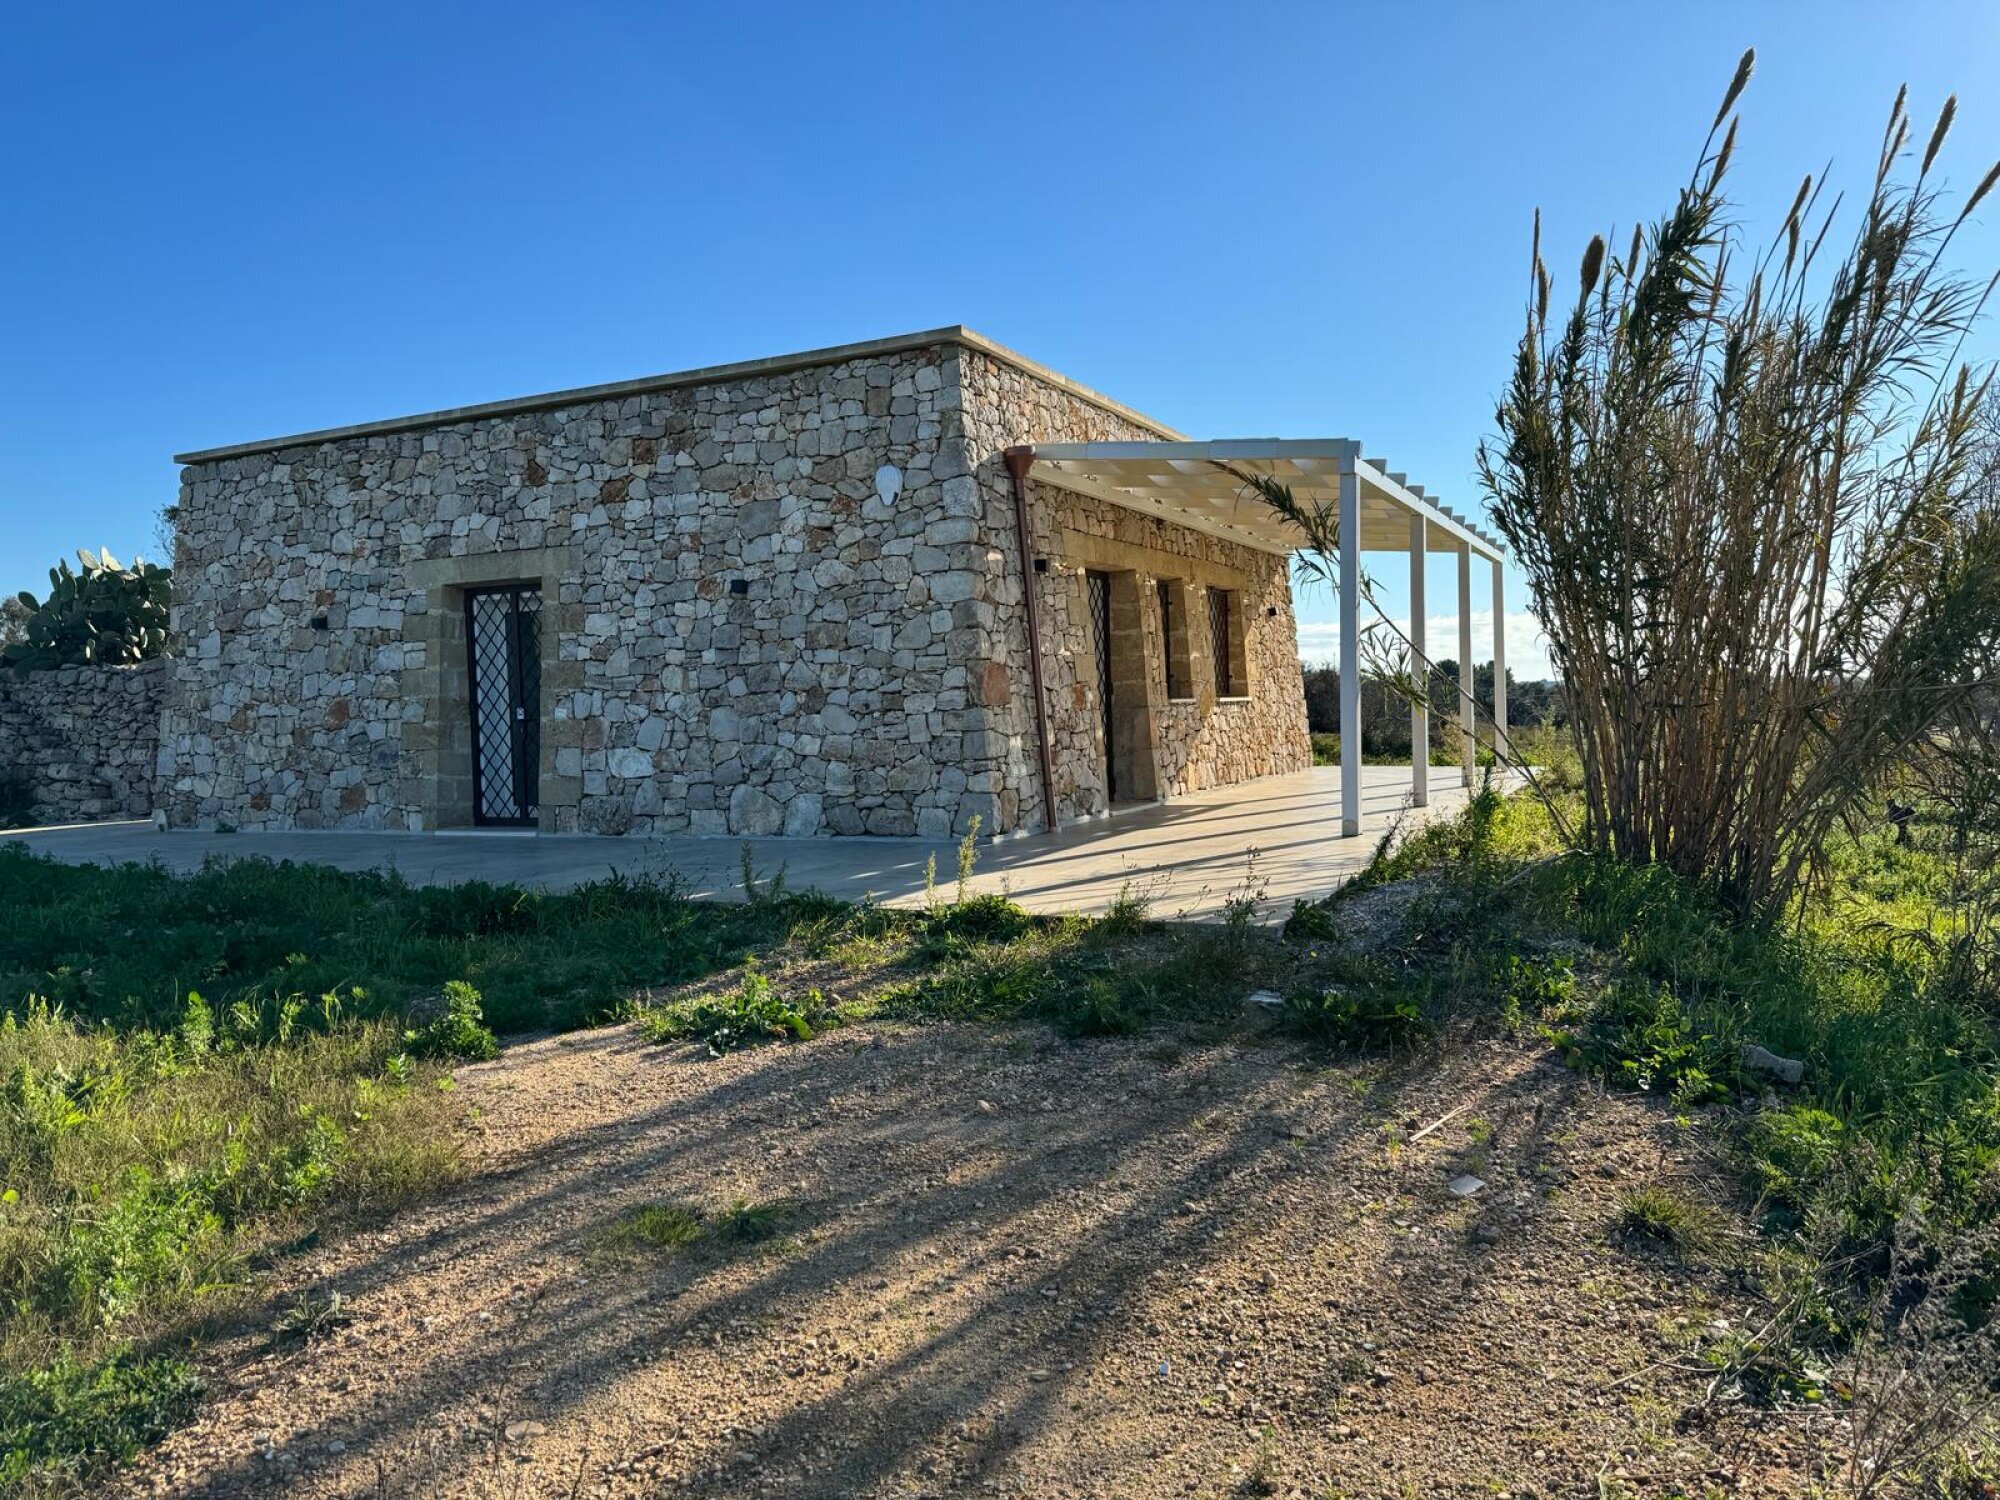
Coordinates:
1635	976
126	946
143	1174
63	1424
657	1227
1671	1220
197	1071
663	1229
1326	752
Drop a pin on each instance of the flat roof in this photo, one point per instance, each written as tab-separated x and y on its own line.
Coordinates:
836	354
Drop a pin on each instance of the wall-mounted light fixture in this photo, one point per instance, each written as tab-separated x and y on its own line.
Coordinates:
319	622
739	585
1041	565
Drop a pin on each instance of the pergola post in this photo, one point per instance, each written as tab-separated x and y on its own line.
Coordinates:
1500	744
1350	652
1469	740
1420	673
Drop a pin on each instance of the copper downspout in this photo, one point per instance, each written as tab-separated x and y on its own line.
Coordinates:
1018	460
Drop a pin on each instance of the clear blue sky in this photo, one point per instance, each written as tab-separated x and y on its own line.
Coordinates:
235	222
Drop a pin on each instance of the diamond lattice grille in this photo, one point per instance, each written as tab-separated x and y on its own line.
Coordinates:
1097	619
506	702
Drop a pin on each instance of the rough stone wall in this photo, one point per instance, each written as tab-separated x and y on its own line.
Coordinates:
1194	744
835	696
81	741
872	678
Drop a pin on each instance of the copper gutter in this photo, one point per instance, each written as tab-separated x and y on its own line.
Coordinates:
1018	459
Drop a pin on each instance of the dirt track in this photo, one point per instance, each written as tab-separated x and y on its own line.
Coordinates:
1019	1266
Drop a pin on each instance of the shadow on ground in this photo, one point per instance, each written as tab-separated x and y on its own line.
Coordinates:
1014	1266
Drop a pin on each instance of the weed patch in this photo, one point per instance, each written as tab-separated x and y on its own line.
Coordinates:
460	1032
650	1227
753	1013
1670	1219
63	1424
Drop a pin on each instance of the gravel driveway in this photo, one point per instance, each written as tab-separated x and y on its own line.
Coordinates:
1013	1266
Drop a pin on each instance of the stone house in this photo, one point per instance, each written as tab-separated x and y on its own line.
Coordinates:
785	596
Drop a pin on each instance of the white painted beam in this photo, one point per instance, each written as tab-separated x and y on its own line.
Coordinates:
1499	663
1420	708
1469	741
1350	655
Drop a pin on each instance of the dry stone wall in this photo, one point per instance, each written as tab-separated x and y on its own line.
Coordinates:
831	696
78	744
782	603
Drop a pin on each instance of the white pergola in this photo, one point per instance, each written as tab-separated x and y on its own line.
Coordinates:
1203	486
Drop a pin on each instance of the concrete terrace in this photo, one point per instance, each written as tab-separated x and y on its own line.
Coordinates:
1277	837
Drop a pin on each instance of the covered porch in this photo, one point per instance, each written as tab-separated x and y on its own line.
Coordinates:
1210	487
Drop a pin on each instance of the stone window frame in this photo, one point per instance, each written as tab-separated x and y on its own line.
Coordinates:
1176	640
438	745
1232	676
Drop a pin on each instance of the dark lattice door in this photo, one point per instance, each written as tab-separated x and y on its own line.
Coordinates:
1097	590
503	648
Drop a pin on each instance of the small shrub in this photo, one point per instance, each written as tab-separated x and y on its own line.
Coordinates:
1314	922
1097	1007
984	919
1536	986
1126	916
1643	1037
753	1013
1793	1151
459	1032
968	858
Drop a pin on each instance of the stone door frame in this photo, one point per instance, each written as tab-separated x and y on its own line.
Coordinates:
438	740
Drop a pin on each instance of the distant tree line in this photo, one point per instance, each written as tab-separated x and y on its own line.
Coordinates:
1385	713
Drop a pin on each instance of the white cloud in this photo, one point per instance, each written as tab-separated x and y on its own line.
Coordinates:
1527	647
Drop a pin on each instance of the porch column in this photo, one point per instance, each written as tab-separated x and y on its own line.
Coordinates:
1420	704
1350	653
1499	663
1469	742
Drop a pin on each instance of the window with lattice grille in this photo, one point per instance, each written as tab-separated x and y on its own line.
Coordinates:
1225	643
1173	639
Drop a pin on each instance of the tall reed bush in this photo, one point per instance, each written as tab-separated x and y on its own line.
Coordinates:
1746	487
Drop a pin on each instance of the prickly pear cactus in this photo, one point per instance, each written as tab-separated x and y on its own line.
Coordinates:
105	614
